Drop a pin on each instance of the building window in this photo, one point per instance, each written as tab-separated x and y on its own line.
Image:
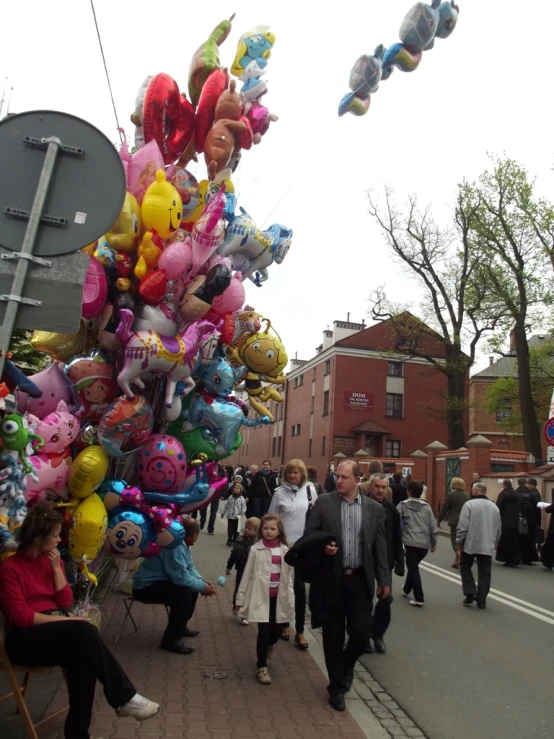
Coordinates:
313	374
312	405
310	448
298	380
502	468
279	444
395	369
392	448
503	410
323	444
274	446
395	402
325	403
327	367
296	430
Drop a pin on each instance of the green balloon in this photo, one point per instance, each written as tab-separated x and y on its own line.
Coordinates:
194	442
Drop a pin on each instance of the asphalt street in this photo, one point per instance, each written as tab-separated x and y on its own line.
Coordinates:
463	672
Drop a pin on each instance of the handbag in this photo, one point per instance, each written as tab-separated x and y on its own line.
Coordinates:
522	526
267	487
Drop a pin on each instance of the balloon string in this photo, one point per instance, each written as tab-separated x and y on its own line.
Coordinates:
283	196
105	65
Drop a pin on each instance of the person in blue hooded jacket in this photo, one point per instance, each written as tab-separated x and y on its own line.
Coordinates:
172	579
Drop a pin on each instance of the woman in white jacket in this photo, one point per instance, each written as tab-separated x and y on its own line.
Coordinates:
265	594
292	502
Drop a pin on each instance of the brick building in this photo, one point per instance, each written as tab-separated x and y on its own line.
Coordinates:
495	425
356	393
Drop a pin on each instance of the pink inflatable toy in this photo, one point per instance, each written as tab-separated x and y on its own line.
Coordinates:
54	388
233	298
162	464
209	231
95	290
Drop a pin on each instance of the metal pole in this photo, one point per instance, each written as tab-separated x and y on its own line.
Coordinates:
20	275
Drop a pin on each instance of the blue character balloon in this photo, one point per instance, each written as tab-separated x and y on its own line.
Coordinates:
448	18
420	25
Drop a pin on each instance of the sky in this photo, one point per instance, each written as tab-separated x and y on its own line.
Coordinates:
485	89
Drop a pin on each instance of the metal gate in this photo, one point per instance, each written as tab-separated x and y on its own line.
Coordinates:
452	470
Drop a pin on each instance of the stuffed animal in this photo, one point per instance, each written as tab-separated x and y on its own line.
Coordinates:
220	144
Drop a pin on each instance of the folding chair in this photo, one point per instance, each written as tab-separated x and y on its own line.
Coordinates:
128	602
19	692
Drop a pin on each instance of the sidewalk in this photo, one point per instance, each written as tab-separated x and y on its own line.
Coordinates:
196	707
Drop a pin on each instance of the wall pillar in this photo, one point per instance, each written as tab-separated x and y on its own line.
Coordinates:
479	449
432	450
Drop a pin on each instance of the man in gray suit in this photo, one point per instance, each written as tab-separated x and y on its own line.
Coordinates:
357	524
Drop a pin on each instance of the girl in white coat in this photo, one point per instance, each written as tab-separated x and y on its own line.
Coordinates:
265	594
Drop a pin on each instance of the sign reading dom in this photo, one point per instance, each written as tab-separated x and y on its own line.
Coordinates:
358	401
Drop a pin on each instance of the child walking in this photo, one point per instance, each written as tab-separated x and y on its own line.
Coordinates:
234	508
265	594
239	557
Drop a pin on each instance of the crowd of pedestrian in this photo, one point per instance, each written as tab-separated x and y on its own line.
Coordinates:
344	540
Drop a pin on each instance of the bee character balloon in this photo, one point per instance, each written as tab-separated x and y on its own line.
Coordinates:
265	358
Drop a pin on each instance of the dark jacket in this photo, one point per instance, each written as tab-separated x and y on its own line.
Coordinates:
550	510
526	505
326	516
258	488
330	482
536	498
399	493
239	554
508	505
324	574
452	507
393	533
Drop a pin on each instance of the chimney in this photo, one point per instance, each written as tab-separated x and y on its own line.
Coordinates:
348	318
491	361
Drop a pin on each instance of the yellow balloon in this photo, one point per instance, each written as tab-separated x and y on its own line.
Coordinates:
63	346
124	235
87	529
162	207
87	471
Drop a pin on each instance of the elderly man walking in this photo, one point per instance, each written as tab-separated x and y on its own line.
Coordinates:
477	537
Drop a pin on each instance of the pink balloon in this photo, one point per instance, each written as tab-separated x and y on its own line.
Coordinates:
233	298
52	471
176	259
58	429
95	290
142	169
54	388
162	464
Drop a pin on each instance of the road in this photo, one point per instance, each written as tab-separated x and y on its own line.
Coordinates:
463	672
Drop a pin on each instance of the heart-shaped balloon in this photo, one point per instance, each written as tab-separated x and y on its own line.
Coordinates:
167	117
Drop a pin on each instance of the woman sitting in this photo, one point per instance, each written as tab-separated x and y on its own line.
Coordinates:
34	596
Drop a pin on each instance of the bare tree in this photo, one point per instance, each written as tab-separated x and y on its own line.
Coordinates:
454	307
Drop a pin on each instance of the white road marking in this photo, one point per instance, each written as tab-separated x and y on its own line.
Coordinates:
498	595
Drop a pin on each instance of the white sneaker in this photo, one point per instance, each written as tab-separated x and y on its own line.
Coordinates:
263	676
244	622
139	708
416	603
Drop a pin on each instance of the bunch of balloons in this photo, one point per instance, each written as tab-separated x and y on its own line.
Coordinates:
421	26
125	428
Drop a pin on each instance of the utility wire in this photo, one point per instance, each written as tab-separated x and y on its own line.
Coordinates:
105	65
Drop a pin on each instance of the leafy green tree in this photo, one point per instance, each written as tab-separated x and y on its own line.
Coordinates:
24	355
511	236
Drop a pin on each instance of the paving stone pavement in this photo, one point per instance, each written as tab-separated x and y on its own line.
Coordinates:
238	707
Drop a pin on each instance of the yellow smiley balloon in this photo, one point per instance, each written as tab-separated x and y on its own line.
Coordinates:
162	207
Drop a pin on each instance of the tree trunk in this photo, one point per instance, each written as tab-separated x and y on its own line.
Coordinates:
456	407
529	423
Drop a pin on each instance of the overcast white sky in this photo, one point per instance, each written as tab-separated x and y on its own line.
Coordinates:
485	89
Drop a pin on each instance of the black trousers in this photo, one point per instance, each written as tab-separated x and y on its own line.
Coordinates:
354	618
258	507
213	506
232	529
237	585
414	555
268	634
180	600
484	564
381	616
78	648
299	604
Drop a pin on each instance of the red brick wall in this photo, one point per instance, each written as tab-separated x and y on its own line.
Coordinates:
381	337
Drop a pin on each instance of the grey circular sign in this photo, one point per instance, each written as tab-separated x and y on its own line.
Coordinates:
86	192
